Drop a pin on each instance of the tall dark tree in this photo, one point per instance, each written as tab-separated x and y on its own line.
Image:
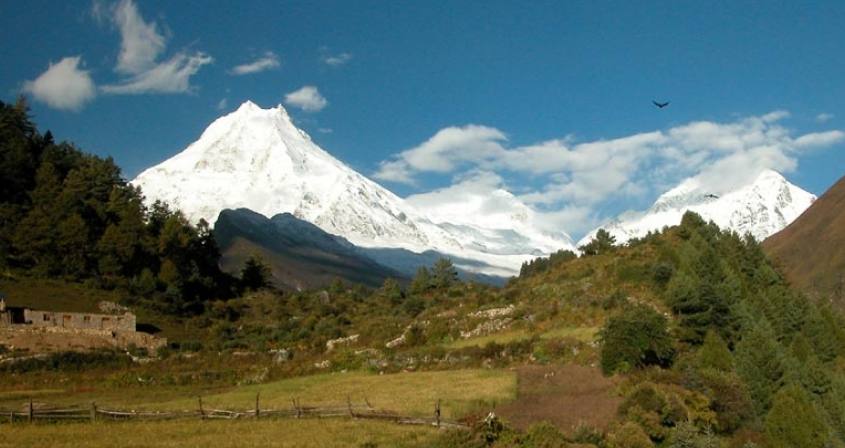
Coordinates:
602	243
255	273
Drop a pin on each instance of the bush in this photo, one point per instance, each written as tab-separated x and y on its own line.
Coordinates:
687	435
629	435
635	338
69	361
543	435
729	398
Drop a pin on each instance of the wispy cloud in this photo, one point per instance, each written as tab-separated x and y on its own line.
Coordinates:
576	178
222	104
63	85
824	117
308	98
336	60
171	76
141	45
267	62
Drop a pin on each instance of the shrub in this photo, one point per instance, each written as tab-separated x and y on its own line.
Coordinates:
635	338
543	435
628	435
686	435
729	398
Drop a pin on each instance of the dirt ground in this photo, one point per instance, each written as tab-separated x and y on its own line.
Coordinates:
565	396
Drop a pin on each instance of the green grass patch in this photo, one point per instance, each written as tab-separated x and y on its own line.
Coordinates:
583	334
502	337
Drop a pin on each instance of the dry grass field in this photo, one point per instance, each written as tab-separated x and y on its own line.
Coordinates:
566	396
411	393
238	433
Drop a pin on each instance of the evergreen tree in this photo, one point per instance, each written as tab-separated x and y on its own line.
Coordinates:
635	338
795	422
255	274
392	291
422	281
761	364
602	243
443	273
714	353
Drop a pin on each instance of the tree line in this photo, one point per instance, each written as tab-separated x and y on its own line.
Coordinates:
68	214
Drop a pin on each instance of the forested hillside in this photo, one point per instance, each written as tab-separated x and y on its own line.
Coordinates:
71	215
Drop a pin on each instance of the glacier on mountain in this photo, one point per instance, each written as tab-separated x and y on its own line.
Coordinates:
258	159
762	208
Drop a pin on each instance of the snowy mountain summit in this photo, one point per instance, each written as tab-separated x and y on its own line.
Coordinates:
761	208
258	159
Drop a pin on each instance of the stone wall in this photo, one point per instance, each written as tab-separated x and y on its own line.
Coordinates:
53	339
88	321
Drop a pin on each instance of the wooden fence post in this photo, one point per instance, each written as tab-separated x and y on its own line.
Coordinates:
11	417
437	413
93	411
202	413
29	414
257	407
349	405
296	408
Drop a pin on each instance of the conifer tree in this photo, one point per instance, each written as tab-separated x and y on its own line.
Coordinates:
422	281
794	421
761	364
443	273
714	353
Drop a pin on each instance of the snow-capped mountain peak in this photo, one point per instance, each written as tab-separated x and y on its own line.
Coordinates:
761	207
258	159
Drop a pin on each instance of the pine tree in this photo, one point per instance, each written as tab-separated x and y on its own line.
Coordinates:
443	273
421	282
392	291
602	243
714	353
795	422
761	364
255	274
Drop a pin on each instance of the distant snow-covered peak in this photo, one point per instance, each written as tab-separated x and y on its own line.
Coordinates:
761	207
258	159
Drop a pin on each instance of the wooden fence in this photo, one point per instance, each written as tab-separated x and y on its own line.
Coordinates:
42	413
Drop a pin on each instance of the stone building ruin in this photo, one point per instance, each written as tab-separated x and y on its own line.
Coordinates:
57	329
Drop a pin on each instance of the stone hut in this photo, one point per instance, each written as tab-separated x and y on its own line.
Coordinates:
83	321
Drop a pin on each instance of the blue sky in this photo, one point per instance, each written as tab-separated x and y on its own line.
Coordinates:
419	94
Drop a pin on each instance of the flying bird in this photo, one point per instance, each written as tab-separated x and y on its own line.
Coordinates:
660	105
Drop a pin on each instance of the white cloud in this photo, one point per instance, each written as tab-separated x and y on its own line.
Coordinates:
337	60
222	104
576	179
63	86
819	139
141	43
307	98
444	152
824	117
267	62
171	76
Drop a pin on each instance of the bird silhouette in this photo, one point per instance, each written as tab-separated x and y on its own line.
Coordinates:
660	105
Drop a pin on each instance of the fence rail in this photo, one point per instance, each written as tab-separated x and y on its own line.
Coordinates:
93	413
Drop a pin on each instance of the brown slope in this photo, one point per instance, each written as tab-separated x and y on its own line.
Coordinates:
811	250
